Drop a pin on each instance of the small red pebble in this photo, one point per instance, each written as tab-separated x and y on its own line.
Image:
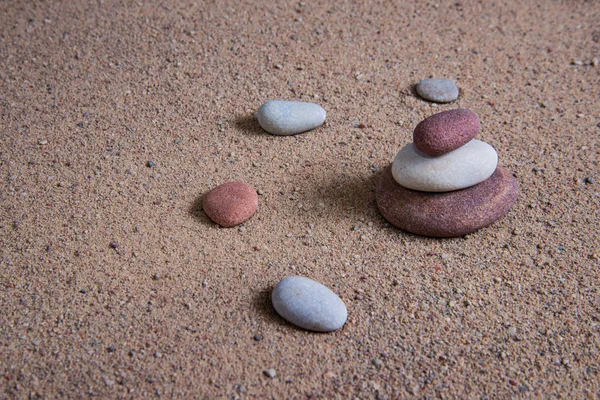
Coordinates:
230	204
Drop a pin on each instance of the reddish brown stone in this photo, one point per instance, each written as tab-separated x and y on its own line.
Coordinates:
230	204
446	214
446	131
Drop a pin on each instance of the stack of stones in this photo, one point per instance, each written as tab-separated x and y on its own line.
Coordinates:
446	183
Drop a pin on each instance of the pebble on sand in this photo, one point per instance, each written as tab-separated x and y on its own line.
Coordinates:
283	118
464	167
446	131
271	373
446	214
437	90
309	304
230	204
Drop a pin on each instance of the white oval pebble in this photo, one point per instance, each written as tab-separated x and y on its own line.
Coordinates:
438	90
309	304
461	168
282	117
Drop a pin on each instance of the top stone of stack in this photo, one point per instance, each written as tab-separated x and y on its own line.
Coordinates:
446	131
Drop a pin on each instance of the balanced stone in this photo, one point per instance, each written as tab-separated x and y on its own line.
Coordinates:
437	90
309	304
281	117
466	166
230	204
446	131
446	214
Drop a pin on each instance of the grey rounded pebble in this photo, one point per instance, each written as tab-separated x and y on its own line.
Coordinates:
309	304
283	118
437	90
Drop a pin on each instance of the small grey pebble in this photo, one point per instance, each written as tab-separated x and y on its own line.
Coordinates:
377	362
156	277
438	90
590	180
84	291
271	373
150	164
111	349
260	192
258	337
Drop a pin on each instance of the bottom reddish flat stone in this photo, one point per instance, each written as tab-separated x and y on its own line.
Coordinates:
447	214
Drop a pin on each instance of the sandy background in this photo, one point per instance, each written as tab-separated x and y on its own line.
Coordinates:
115	284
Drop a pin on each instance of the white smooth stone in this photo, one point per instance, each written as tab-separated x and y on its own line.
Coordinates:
461	168
309	304
282	117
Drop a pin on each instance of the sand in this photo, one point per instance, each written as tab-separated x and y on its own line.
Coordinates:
116	285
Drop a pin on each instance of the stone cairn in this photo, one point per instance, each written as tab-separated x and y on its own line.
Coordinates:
446	183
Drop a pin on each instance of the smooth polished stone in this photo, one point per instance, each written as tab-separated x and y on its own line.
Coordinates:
437	90
309	304
466	166
446	214
282	117
446	131
231	203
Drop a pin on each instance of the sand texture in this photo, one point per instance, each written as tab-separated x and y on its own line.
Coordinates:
115	284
